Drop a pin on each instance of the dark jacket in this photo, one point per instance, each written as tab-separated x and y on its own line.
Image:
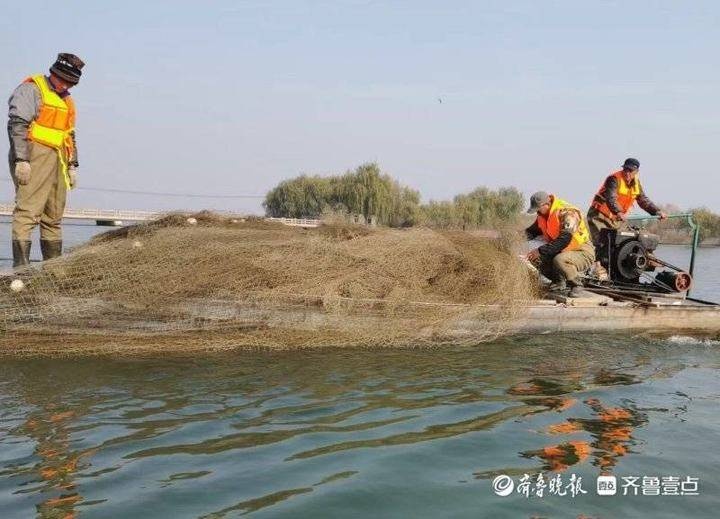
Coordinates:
609	195
554	247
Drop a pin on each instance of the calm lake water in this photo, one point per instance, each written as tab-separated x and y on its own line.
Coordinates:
366	433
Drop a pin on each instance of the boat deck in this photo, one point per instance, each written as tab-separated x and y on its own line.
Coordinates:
599	313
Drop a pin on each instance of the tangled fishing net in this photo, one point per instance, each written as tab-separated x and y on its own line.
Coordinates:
211	282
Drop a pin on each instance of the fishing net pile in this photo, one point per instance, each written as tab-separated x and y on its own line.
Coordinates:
210	282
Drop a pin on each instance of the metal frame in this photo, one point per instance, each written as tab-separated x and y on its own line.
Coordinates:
694	227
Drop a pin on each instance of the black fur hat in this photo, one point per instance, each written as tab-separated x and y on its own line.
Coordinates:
68	67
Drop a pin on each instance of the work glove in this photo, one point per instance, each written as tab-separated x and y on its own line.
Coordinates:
534	256
22	172
72	177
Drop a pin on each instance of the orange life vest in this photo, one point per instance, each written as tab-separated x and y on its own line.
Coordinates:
626	195
551	228
54	123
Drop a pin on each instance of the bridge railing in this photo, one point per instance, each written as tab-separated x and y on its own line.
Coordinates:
95	214
297	222
140	216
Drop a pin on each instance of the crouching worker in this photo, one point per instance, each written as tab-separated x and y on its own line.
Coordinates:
568	251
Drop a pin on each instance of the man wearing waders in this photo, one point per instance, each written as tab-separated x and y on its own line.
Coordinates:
43	156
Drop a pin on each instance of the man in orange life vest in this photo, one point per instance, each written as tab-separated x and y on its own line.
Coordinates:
615	198
568	251
43	156
613	202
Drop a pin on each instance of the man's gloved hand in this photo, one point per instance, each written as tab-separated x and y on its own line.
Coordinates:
72	176
22	172
533	256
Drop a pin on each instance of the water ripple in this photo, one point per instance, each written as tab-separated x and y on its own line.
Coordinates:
298	433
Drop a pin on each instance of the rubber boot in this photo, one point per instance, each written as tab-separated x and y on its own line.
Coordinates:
558	287
51	249
575	290
21	253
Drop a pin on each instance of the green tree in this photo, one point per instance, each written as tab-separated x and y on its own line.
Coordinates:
365	191
442	215
483	207
300	197
708	221
369	192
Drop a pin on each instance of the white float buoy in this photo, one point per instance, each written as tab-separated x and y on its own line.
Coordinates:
17	285
192	221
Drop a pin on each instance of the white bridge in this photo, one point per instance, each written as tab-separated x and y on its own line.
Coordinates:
119	217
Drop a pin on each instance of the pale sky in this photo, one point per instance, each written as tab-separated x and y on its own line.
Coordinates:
229	97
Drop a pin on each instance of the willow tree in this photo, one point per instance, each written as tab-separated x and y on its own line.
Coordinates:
441	215
300	197
368	192
364	191
483	207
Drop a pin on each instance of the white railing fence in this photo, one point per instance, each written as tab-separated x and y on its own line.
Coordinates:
141	216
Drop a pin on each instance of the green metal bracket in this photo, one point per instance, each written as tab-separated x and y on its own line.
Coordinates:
694	227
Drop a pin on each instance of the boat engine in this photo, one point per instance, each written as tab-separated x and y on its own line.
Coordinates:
628	254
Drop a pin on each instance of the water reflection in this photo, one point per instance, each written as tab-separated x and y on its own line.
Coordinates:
57	464
253	505
229	435
54	464
611	428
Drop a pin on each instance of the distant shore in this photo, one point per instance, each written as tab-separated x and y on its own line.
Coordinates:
709	242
